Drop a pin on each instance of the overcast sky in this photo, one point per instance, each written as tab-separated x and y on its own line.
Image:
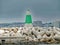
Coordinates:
42	10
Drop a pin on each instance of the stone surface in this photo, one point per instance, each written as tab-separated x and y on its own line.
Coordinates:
28	43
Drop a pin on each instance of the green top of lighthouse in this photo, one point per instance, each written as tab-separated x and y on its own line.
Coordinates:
28	19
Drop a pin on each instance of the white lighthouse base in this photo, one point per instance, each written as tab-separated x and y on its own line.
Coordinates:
28	25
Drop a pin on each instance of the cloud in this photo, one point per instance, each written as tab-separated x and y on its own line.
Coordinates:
44	9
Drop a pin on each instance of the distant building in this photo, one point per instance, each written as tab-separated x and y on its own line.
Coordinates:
53	24
56	24
48	24
17	24
37	23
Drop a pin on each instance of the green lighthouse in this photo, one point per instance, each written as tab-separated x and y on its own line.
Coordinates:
28	19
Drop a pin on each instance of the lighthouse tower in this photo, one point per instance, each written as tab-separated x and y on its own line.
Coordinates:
28	19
